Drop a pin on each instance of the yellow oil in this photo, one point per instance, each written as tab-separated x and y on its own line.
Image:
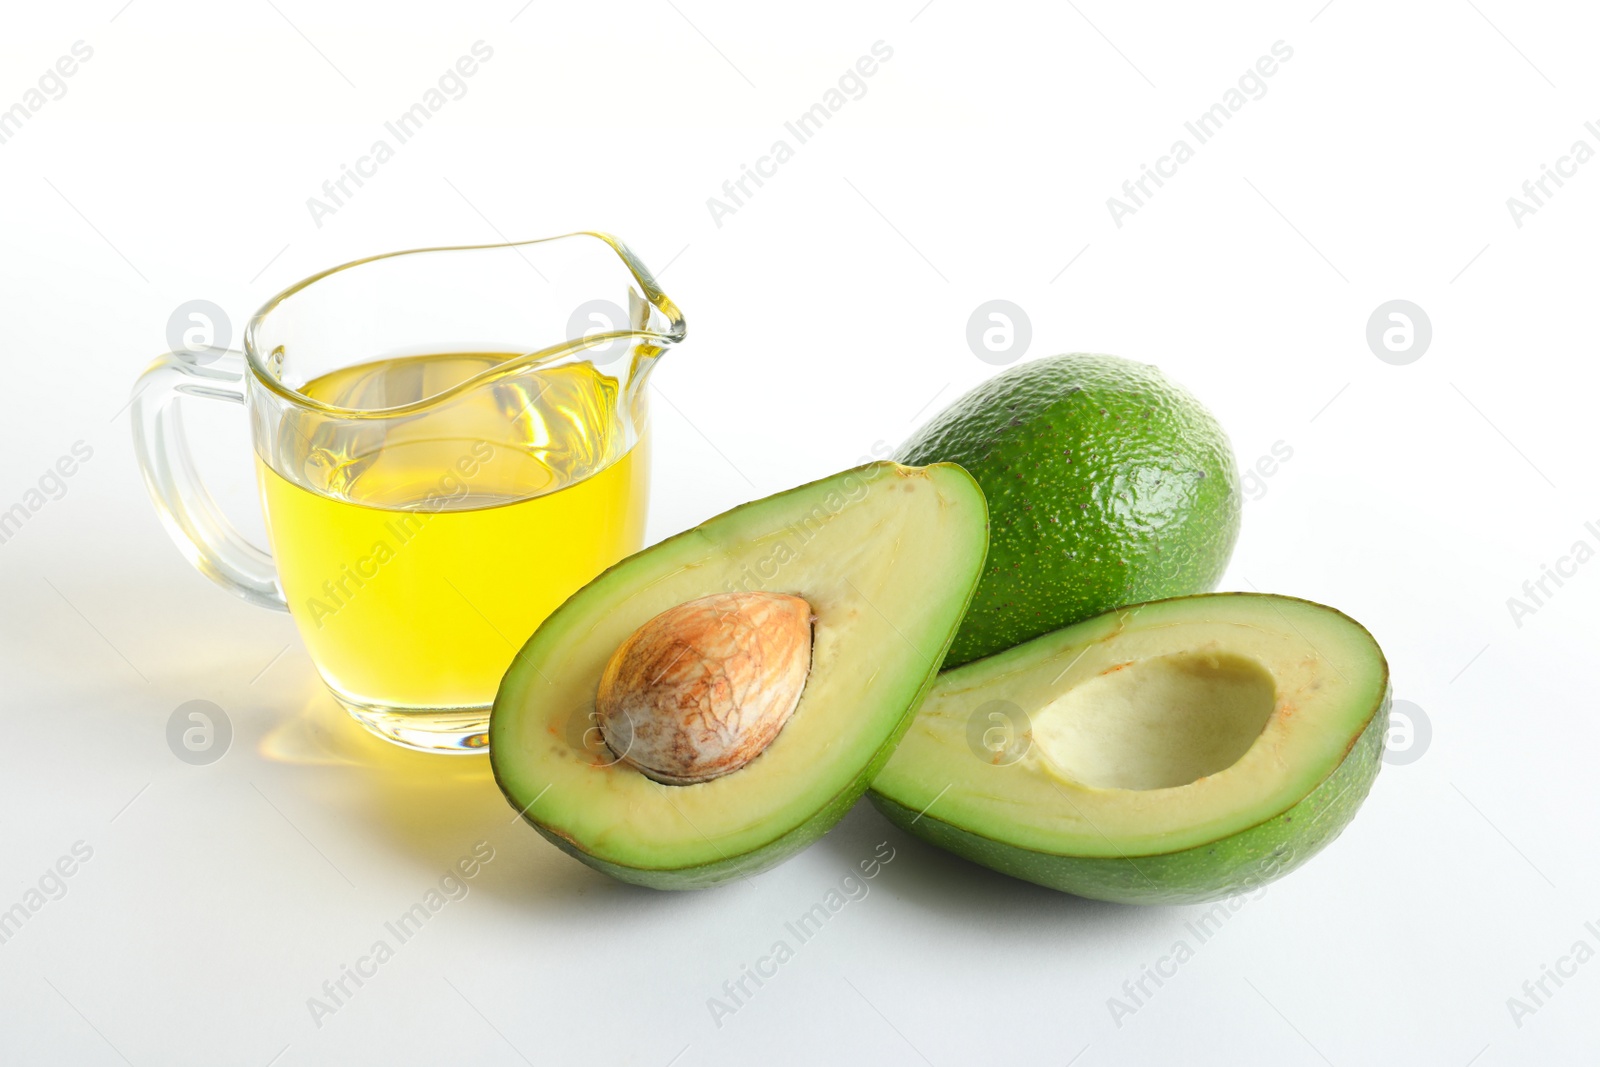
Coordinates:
417	554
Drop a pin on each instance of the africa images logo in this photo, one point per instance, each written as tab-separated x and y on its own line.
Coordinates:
1252	85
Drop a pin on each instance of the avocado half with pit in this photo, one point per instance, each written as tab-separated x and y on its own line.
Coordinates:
1173	752
713	704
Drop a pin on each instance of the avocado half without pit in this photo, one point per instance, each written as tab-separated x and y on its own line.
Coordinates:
1173	752
715	703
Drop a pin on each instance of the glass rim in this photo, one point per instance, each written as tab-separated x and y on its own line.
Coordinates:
675	331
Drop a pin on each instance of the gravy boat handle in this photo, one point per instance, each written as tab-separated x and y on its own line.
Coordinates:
197	526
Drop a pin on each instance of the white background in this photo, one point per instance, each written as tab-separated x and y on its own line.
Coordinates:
826	315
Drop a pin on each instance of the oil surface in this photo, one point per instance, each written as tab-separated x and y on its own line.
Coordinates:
418	553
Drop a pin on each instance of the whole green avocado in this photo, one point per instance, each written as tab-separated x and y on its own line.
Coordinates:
1107	485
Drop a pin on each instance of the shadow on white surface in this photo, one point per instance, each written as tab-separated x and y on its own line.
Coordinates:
961	892
427	809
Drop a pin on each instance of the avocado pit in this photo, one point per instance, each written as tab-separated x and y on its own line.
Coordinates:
703	688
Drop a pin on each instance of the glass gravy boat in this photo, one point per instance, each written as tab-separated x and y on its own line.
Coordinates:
448	442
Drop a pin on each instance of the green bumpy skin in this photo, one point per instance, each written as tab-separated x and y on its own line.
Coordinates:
1107	485
1221	869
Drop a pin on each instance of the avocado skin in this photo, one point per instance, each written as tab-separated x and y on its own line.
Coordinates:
1240	863
1107	485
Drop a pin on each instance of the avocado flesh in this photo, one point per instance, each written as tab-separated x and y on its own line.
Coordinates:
886	555
1107	485
1174	752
